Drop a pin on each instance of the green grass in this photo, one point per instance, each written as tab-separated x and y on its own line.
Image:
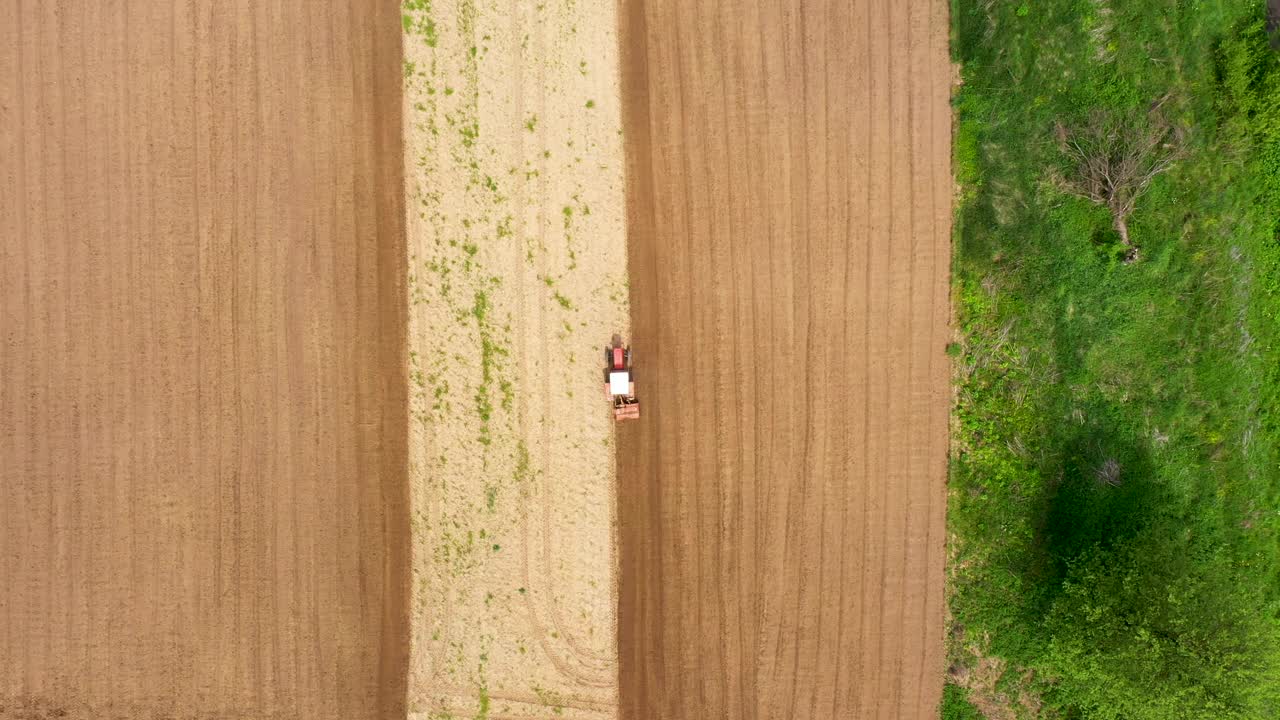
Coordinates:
1115	487
956	706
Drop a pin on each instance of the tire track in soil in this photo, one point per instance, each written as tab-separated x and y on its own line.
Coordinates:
781	500
202	463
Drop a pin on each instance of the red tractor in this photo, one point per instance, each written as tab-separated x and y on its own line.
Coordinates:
619	383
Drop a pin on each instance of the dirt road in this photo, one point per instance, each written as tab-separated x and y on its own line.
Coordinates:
781	502
202	400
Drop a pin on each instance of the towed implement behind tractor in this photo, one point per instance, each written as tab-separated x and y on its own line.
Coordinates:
619	383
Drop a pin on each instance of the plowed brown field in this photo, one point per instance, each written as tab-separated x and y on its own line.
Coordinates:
202	394
781	501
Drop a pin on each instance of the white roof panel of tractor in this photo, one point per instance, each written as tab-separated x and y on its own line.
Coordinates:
619	383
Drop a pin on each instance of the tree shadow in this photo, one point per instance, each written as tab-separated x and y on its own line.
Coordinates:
1102	485
1106	493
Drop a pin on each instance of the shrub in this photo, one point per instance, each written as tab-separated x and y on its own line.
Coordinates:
956	706
1165	626
1249	75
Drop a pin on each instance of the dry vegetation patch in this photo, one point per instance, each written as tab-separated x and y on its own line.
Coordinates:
517	278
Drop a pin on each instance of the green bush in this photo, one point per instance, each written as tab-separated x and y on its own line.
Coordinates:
1161	627
956	706
1249	73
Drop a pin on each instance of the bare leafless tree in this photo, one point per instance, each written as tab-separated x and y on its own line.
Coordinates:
1114	158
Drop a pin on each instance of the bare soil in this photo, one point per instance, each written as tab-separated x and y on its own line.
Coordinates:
781	502
202	395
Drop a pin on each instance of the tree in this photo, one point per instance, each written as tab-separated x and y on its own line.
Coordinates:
1115	156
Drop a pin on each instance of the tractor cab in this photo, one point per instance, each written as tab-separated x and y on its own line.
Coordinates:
619	383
